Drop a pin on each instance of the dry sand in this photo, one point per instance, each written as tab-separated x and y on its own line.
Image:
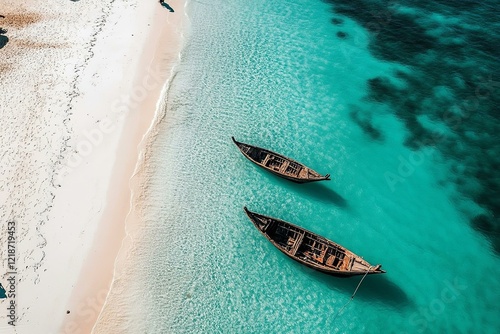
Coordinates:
79	86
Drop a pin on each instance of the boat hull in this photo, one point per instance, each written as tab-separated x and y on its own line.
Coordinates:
290	178
304	174
343	264
336	273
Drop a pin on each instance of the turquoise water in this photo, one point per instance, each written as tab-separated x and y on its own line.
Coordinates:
280	75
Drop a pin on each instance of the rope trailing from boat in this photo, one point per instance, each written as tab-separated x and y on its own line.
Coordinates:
354	293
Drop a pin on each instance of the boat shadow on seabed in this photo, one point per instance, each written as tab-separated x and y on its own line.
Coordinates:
375	288
316	191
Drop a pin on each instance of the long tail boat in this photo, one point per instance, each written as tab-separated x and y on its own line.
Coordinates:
279	164
311	249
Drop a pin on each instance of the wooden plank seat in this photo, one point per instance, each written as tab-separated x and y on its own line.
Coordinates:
297	244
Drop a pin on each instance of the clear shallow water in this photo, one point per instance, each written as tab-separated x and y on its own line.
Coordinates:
280	76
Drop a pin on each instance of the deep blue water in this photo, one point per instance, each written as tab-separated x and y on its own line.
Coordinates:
450	99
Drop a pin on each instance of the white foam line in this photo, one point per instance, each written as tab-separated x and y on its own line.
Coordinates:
160	112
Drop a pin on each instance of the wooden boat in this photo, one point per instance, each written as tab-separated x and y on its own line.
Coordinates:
311	249
279	164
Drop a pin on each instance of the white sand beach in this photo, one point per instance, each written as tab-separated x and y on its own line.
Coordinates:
80	82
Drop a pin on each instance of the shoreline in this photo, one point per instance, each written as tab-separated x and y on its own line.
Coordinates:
81	84
153	74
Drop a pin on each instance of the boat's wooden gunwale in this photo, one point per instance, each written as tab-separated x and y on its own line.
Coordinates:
283	174
309	263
